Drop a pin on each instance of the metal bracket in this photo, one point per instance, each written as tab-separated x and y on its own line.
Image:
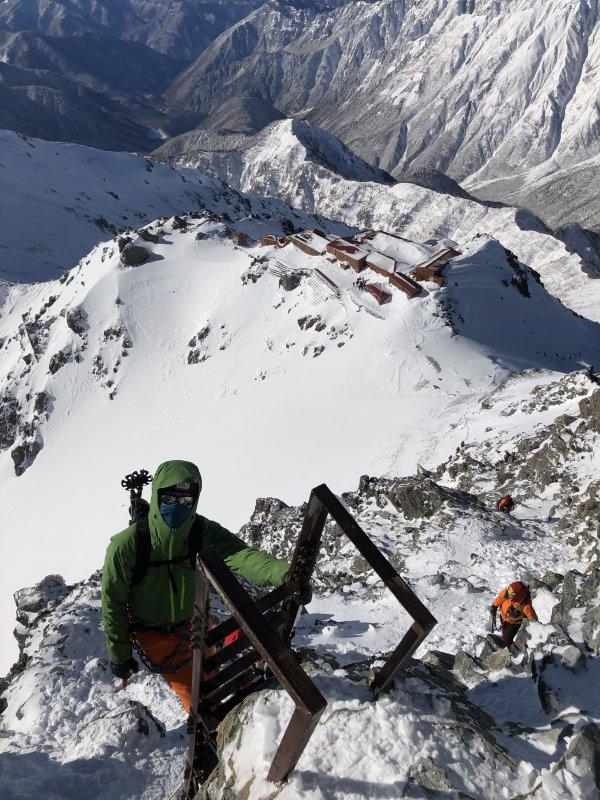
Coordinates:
322	502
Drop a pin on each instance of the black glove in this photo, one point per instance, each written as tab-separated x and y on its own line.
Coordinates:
303	596
124	669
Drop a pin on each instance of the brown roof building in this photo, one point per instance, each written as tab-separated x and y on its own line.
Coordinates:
240	238
378	293
383	265
431	269
268	239
348	253
405	284
310	242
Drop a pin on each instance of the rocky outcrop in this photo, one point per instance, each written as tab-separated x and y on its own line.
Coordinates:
134	254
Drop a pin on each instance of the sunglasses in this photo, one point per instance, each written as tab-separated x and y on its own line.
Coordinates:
186	500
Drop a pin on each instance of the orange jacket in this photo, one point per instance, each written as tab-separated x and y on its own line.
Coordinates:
505	502
510	610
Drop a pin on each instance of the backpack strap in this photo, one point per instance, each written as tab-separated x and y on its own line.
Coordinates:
143	549
196	540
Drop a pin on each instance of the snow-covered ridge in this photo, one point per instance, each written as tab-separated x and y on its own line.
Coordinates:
59	200
481	89
282	144
281	164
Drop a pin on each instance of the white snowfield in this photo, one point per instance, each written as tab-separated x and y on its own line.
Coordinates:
58	200
283	165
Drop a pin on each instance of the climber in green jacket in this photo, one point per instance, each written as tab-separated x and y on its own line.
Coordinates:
157	609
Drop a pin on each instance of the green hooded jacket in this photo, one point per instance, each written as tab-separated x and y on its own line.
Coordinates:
154	600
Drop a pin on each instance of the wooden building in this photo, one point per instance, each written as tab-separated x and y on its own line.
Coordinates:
348	253
383	265
310	242
240	238
405	284
268	239
378	293
431	269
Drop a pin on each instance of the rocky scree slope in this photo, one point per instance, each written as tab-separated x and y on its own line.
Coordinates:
464	719
481	90
310	169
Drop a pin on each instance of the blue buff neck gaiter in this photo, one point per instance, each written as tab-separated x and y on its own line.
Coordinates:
174	514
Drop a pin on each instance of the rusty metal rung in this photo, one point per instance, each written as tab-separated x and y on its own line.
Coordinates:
226	653
212	699
263	604
227	673
240	644
221	711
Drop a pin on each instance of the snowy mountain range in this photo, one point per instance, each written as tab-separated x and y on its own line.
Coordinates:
496	93
95	73
499	96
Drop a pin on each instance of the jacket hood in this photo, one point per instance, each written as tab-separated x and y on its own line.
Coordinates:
168	474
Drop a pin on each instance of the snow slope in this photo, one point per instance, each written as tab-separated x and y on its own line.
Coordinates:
282	162
199	353
59	200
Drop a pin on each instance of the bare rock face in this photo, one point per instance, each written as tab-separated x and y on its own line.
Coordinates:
289	281
501	659
591	629
9	421
134	254
148	236
24	454
573	659
469	667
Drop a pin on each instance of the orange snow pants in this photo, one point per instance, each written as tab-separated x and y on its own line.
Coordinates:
167	651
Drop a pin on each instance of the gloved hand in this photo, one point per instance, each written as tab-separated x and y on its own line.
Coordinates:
303	596
124	669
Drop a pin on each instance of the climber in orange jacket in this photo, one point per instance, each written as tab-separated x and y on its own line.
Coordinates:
505	504
514	603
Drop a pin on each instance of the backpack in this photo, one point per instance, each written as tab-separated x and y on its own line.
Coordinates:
515	610
143	546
